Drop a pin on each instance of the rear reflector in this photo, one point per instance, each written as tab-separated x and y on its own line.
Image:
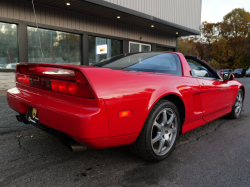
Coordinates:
73	84
124	114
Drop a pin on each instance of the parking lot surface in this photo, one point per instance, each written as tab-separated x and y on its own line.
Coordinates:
216	154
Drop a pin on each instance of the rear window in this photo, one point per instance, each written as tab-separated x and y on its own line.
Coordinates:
150	62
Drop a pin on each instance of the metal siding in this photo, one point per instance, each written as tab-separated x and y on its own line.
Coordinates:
42	14
16	13
52	21
183	12
4	8
22	10
10	9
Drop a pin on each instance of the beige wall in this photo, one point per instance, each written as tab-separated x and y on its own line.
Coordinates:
182	12
22	10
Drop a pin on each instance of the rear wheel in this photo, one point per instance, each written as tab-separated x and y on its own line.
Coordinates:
237	107
159	133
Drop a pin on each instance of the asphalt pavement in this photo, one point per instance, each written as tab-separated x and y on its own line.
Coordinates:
216	154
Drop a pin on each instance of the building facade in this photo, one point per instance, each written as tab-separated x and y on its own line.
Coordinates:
85	32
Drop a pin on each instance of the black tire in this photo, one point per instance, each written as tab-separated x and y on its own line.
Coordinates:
142	147
234	114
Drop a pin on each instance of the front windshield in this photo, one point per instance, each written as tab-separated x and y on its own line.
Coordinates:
160	62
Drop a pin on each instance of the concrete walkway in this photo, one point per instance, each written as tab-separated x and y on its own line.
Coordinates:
3	92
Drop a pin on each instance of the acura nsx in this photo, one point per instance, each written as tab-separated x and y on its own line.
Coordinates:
144	100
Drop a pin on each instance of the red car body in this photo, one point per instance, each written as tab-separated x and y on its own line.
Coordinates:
95	122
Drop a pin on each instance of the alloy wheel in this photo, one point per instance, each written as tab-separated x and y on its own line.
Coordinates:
164	131
238	104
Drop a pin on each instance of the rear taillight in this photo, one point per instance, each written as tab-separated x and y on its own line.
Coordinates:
23	79
64	87
77	87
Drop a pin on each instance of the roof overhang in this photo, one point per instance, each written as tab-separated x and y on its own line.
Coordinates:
110	11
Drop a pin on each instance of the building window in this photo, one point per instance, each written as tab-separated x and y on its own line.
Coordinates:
8	46
161	48
138	47
102	48
58	47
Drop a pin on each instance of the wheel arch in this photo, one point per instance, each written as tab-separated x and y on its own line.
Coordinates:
243	89
179	104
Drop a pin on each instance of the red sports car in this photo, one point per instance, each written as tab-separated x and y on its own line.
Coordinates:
145	100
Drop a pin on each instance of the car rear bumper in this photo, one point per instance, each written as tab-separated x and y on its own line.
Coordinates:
94	143
85	120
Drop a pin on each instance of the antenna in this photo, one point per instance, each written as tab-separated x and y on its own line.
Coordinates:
38	32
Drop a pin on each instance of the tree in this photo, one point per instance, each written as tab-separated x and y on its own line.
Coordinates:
226	42
215	64
187	47
236	24
235	27
220	50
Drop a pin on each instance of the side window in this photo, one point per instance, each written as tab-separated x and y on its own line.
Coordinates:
198	70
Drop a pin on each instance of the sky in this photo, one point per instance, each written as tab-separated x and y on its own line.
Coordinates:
214	10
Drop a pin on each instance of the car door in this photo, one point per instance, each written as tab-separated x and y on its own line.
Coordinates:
216	95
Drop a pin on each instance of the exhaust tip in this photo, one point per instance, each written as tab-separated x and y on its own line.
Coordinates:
19	118
76	147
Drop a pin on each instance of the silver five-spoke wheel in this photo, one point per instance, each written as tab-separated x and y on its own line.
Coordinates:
238	104
164	131
160	132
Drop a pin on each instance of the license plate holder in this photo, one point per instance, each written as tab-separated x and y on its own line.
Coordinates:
32	115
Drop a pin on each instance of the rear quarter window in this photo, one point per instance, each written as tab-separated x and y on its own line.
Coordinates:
150	62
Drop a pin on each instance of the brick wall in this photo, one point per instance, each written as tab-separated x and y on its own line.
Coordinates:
7	80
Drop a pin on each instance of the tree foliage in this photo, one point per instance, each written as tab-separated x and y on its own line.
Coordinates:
187	49
225	44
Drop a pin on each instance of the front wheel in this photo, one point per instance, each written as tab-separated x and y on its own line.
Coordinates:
237	107
159	133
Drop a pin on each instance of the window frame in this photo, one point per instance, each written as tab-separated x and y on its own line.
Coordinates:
140	44
210	68
110	38
18	53
55	30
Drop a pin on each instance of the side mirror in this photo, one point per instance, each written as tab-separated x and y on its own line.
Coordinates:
228	77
